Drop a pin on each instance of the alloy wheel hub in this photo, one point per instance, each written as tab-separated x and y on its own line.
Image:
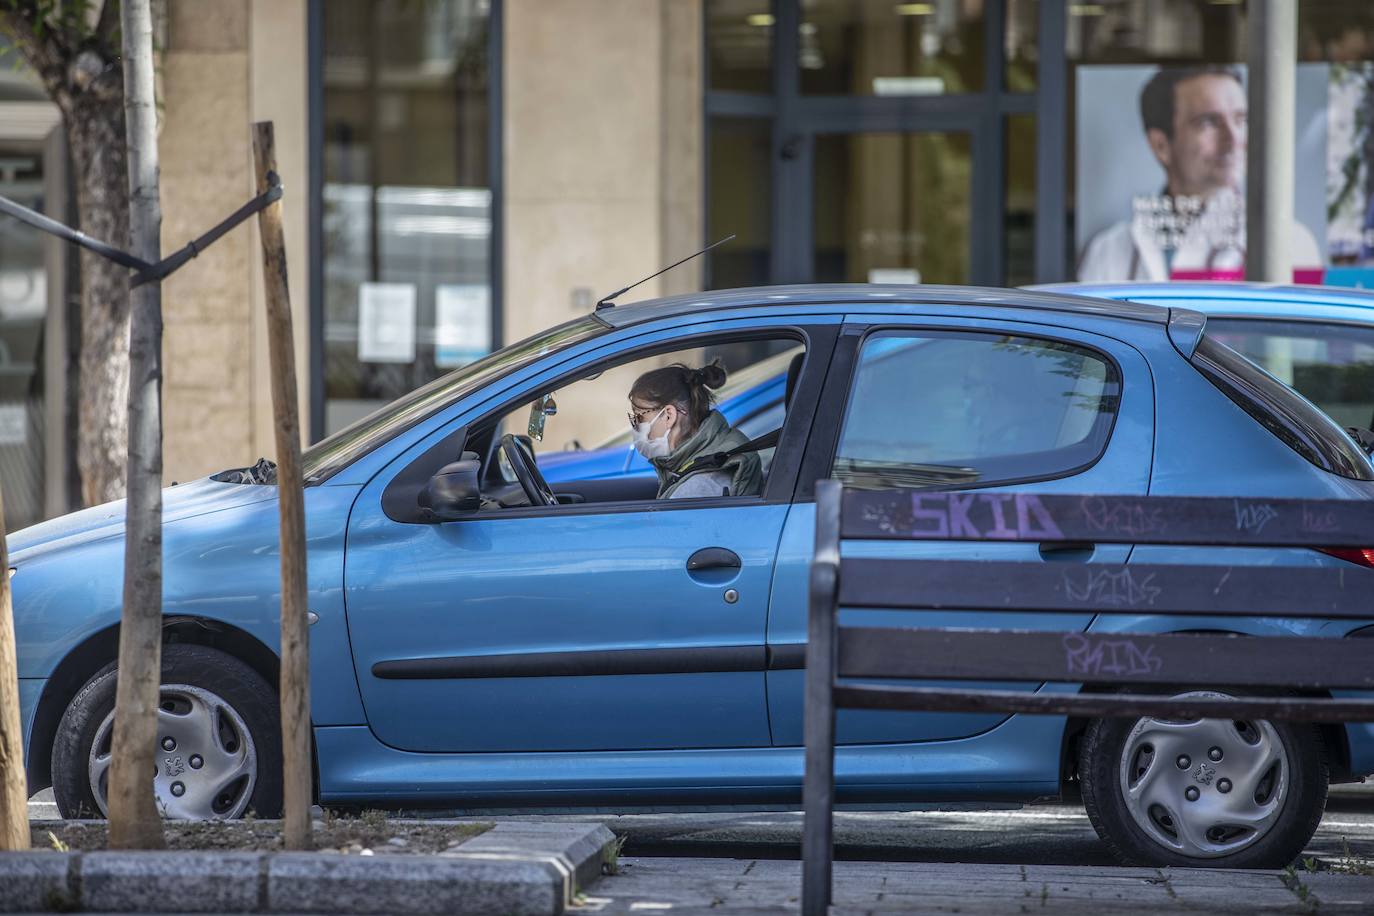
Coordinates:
1204	787
206	762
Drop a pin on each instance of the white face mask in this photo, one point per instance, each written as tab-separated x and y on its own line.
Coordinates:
651	448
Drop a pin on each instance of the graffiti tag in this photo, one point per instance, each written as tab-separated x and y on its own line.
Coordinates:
1254	518
1108	588
1097	657
1122	517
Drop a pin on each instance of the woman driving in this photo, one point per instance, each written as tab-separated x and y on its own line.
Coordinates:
678	431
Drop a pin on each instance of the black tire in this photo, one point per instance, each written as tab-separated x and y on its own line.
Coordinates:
198	666
1099	772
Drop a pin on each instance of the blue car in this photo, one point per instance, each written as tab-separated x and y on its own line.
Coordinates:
1319	339
485	638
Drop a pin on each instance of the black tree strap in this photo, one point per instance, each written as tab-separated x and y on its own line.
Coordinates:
145	272
62	231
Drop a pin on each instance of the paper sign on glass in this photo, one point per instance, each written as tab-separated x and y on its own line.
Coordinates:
386	323
462	323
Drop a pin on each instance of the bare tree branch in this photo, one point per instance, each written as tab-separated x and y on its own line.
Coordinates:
107	26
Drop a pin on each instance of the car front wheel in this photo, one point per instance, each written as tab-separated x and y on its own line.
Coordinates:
1209	793
218	733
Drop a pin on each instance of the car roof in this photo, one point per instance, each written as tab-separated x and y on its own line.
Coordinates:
877	297
1260	300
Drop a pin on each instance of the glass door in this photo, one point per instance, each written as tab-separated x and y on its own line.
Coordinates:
892	207
23	308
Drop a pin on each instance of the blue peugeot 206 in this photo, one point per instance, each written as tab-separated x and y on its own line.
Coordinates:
485	638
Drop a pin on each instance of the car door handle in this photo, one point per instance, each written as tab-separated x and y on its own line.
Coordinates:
713	558
1067	551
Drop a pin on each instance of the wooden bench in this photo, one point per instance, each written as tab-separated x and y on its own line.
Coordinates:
837	655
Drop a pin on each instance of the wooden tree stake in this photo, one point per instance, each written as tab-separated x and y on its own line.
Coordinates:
295	633
14	798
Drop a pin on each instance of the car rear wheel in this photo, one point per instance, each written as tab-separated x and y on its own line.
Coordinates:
1203	793
219	740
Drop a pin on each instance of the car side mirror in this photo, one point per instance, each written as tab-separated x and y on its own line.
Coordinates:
453	491
1364	437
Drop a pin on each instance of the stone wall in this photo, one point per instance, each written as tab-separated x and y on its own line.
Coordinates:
227	63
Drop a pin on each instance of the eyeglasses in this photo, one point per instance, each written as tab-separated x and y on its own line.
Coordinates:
637	415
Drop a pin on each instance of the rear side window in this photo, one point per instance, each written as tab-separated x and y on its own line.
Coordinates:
1332	365
956	409
1297	422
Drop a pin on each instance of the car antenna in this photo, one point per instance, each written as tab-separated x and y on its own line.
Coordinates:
606	303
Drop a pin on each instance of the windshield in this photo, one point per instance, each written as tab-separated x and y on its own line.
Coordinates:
332	454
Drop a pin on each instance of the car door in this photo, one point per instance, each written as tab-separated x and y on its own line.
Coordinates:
965	404
602	626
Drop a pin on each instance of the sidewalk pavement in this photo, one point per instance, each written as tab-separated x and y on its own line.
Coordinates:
684	887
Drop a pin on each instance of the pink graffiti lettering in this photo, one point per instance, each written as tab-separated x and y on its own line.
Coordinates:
1095	656
953	515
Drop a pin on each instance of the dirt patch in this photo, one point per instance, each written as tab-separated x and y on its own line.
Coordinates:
371	833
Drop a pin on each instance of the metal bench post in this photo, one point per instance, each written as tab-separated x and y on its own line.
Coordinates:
818	787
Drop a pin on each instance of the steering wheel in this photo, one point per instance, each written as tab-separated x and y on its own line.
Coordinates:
536	488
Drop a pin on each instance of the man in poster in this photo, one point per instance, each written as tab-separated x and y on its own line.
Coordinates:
1195	125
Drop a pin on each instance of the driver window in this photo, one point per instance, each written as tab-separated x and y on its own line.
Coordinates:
651	428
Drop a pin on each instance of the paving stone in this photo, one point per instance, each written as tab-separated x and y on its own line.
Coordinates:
579	849
309	883
36	881
157	882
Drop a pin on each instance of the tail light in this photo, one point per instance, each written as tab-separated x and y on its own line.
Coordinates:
1360	556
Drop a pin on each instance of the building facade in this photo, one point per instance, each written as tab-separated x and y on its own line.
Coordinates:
462	173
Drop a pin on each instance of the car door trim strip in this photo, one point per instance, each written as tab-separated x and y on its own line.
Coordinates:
590	663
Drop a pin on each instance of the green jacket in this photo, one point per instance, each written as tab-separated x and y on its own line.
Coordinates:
743	474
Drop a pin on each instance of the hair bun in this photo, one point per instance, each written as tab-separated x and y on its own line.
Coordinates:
712	375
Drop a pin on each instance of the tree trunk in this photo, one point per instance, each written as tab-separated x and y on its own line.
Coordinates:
95	136
80	70
134	819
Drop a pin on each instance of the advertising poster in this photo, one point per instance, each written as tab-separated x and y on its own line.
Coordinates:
1161	157
1350	175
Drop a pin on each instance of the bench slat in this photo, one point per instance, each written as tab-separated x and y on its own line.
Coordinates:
941	699
1046	517
1133	658
981	585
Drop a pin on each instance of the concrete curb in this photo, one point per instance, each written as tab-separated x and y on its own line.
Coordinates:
528	869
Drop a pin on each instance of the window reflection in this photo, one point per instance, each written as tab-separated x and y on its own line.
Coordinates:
739	42
407	200
882	47
1019	156
1021	44
740	202
1126	31
893	207
23	307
